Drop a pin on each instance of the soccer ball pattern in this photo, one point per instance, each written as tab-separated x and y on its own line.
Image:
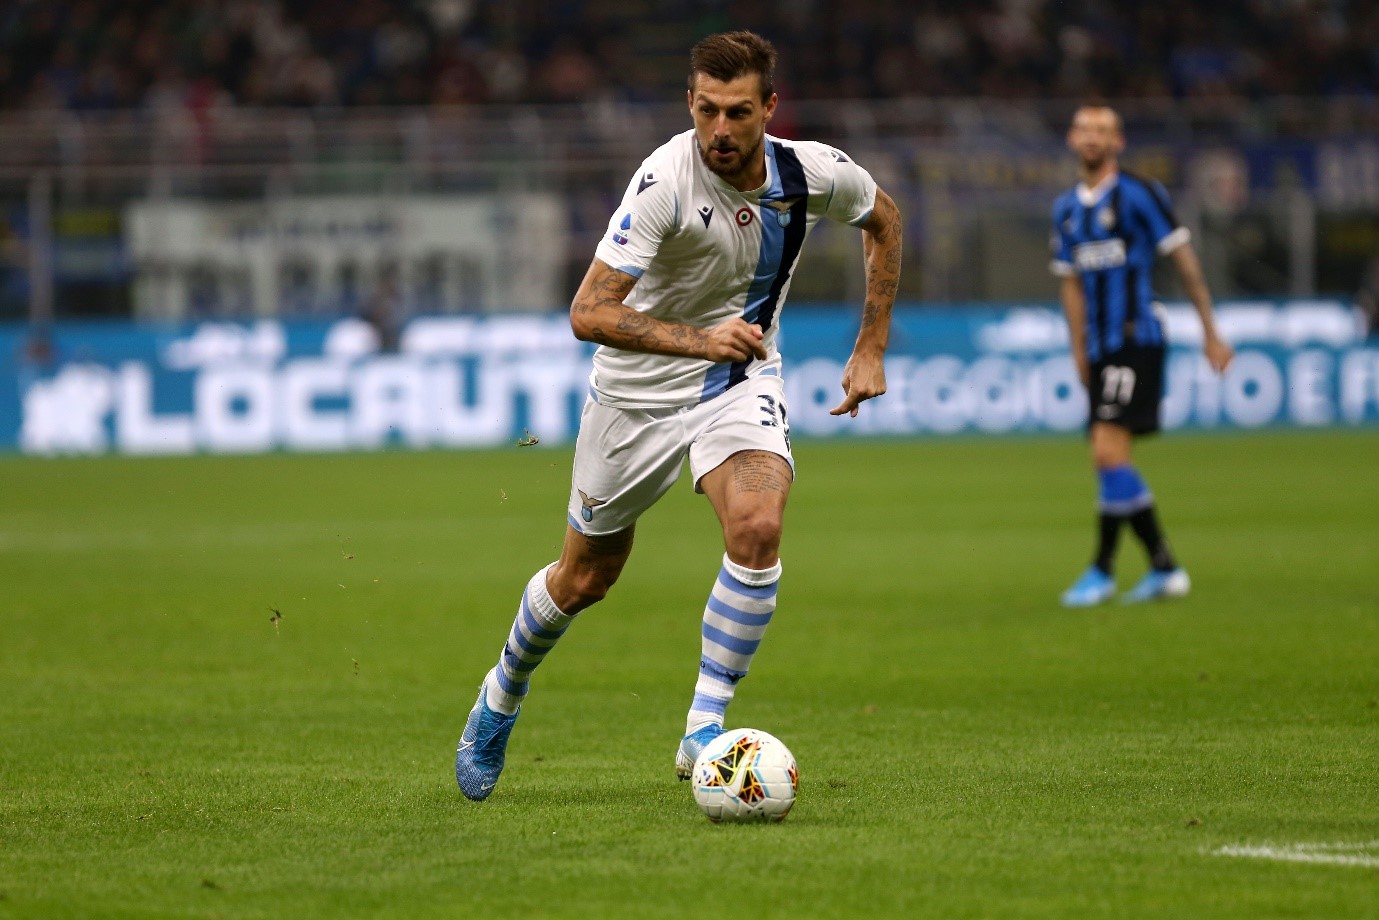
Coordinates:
745	775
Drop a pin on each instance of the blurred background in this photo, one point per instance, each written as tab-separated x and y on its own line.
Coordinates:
229	161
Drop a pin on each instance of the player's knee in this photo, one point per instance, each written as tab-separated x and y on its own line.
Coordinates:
1106	456
589	586
754	537
573	588
1110	447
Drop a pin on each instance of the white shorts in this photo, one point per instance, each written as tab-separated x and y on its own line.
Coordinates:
626	459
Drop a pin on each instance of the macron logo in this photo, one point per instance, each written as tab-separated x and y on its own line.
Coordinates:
706	212
647	182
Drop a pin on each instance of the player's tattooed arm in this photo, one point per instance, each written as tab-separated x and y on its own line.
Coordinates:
864	377
882	239
599	314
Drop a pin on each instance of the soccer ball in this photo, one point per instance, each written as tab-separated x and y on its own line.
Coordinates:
745	775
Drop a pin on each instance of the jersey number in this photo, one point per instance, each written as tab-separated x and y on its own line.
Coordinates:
775	414
1117	384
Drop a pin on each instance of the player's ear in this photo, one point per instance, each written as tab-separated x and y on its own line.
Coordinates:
771	106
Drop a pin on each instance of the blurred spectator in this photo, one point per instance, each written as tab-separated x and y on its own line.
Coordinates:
384	309
84	54
1367	297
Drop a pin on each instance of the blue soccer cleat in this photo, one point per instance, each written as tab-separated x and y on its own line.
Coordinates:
690	746
1091	588
483	748
1158	584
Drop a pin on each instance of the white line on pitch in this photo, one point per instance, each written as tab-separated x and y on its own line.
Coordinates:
1335	854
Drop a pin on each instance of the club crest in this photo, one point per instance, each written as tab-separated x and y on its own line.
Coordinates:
587	512
782	209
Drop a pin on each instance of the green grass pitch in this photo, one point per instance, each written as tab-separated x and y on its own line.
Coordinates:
172	747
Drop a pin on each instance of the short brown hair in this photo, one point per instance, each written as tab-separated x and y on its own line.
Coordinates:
1099	102
729	55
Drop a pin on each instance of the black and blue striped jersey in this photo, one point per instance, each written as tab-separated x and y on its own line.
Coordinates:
1109	236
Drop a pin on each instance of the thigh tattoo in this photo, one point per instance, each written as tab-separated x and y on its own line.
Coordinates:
759	471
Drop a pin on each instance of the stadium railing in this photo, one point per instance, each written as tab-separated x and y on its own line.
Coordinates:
1282	196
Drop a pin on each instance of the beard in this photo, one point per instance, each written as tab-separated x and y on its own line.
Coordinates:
1093	160
744	159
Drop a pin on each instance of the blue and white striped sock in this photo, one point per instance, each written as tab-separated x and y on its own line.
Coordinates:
539	624
735	619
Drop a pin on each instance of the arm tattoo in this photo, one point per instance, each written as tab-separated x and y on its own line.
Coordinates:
607	290
881	250
618	325
637	327
871	312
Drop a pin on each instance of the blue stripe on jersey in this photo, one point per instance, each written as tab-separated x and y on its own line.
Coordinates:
1150	209
1112	246
780	247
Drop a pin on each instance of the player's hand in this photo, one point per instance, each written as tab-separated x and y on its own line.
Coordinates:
1219	353
863	378
735	340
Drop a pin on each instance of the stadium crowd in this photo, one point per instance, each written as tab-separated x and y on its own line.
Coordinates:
92	55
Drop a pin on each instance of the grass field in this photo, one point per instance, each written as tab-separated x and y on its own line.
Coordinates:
967	748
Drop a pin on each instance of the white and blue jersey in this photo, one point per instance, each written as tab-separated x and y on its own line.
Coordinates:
704	252
1109	236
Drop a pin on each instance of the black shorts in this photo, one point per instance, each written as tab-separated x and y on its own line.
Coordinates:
1126	387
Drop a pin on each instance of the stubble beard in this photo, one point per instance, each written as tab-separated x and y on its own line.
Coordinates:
745	159
1092	162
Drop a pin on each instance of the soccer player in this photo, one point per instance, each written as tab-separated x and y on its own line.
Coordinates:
684	298
1107	232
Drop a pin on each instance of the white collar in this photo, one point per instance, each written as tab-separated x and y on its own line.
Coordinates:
1090	196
